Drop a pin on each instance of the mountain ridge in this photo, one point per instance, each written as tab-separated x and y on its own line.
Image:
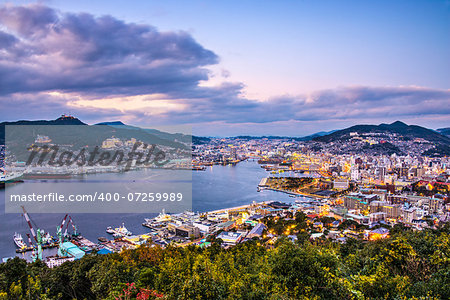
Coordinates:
439	136
444	131
397	127
107	130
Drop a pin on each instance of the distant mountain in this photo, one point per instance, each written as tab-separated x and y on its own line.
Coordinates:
438	151
383	149
96	134
199	140
407	132
176	137
278	137
63	120
444	131
393	138
317	134
185	138
269	137
113	123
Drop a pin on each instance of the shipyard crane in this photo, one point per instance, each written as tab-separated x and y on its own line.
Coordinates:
27	218
37	256
29	240
39	243
36	235
74	227
60	228
39	239
61	251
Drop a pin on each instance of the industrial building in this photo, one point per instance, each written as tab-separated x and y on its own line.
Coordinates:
72	250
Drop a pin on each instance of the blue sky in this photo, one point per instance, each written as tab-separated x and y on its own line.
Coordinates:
241	67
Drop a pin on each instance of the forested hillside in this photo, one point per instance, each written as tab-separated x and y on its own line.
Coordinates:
406	265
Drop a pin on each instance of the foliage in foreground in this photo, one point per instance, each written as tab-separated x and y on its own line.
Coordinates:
407	265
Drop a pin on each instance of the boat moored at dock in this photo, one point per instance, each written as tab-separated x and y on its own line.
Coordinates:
119	231
18	240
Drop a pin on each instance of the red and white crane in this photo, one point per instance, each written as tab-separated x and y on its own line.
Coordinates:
62	223
29	240
27	218
70	221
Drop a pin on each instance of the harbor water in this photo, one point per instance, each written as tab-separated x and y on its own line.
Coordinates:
215	188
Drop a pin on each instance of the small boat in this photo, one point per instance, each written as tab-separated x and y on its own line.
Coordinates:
119	231
122	230
198	168
18	240
102	239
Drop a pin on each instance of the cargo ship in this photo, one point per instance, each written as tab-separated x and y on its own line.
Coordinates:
45	175
10	177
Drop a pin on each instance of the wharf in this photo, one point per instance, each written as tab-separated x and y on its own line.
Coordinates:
263	182
27	249
237	207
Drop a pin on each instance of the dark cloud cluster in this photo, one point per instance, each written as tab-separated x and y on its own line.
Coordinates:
43	51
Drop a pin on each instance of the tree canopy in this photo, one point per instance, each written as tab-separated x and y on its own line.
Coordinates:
406	265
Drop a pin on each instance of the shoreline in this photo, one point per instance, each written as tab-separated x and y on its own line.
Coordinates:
293	193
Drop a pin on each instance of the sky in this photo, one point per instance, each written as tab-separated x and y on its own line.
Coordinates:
227	67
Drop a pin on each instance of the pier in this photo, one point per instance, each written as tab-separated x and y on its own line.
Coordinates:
28	248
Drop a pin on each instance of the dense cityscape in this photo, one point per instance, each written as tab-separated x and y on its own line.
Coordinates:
224	150
342	195
335	198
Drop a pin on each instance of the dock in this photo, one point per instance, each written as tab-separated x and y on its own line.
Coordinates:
263	182
27	249
237	207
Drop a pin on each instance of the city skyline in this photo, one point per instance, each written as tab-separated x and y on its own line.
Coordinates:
227	68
